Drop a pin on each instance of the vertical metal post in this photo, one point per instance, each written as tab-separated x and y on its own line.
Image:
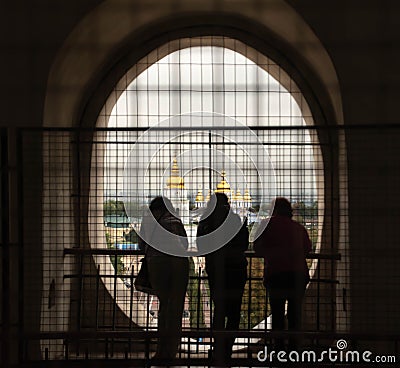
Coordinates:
318	294
79	313
97	296
198	299
147	339
77	158
66	343
266	341
5	318
199	307
131	306
114	311
209	161
21	271
106	349
131	296
334	211
249	298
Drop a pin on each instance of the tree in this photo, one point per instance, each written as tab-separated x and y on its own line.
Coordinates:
135	209
116	260
114	208
132	237
254	303
195	299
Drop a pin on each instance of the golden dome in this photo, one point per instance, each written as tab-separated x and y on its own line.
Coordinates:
223	186
247	196
199	196
238	196
175	181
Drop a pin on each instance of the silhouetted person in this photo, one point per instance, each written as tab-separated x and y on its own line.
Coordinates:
168	274
284	245
227	272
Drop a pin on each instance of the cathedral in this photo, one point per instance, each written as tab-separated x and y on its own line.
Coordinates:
176	191
240	204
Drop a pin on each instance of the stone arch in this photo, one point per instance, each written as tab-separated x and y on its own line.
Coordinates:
88	48
82	74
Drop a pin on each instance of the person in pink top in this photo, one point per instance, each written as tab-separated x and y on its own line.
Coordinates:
284	245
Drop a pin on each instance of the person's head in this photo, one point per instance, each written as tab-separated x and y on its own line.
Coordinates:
283	207
160	205
219	201
218	205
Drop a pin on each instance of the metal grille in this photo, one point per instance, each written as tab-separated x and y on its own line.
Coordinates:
84	316
89	308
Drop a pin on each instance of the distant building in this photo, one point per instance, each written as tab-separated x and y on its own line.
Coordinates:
176	191
240	204
117	226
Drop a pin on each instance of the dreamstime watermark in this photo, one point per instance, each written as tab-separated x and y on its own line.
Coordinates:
340	354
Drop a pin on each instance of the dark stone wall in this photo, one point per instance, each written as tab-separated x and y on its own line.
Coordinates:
363	41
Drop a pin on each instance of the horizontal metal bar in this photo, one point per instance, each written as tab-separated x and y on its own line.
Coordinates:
206	333
102	251
213	143
258	127
123	252
181	362
114	276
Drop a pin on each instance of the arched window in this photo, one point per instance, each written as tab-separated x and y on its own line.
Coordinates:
101	63
181	102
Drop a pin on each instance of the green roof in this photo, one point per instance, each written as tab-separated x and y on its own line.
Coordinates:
116	222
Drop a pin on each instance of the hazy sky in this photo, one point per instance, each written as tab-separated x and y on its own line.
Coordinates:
213	80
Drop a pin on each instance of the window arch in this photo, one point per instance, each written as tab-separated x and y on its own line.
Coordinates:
192	77
81	78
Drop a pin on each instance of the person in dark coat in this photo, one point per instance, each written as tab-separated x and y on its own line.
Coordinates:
284	244
226	268
168	273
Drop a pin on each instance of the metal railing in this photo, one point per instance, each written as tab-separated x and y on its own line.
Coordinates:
320	349
130	344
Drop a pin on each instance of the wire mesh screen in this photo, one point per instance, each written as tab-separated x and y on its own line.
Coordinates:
119	230
195	117
83	300
91	255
